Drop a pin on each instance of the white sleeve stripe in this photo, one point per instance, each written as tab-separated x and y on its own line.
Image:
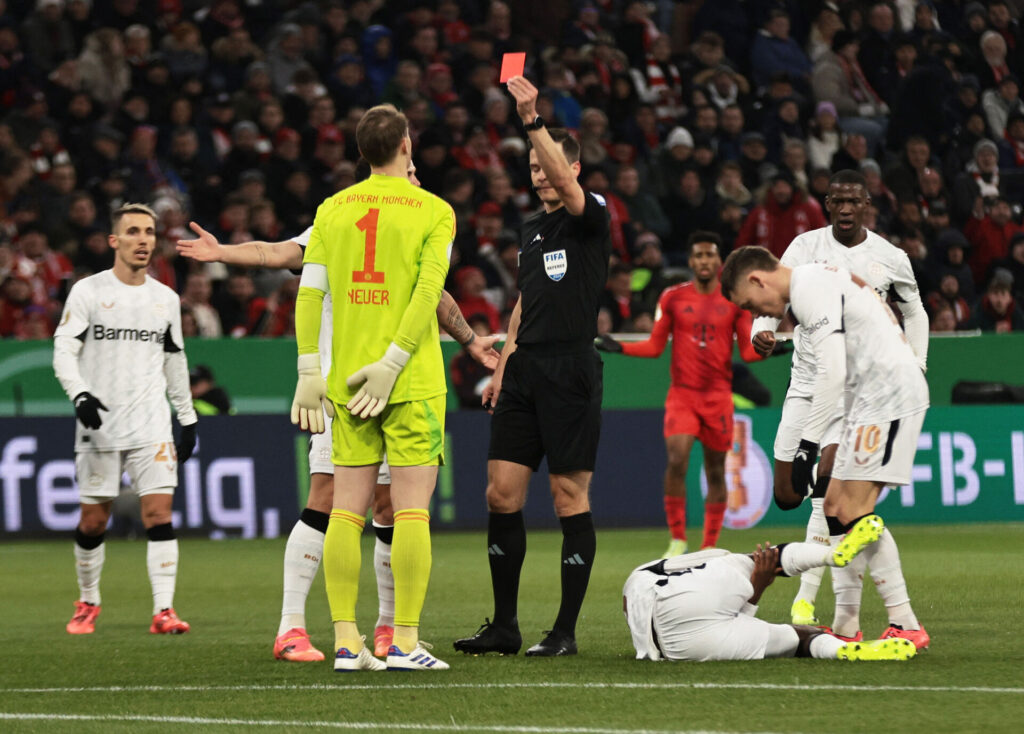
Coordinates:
314	275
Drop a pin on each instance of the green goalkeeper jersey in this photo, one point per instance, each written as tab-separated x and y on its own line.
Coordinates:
385	245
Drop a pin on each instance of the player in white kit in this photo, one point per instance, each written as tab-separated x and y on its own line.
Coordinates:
119	355
886	268
857	343
304	548
702	606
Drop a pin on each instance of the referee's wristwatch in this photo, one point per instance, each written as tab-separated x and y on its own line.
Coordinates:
537	124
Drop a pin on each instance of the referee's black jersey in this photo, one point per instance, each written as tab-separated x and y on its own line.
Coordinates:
563	267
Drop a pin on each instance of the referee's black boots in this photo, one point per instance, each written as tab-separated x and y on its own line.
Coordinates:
492	638
556	643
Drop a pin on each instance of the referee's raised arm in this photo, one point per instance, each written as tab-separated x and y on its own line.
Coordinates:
559	174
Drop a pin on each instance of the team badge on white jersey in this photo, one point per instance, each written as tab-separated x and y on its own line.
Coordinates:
555	264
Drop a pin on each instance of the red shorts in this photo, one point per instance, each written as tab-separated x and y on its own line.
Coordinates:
706	415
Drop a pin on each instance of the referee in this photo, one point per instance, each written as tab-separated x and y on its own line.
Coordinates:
547	387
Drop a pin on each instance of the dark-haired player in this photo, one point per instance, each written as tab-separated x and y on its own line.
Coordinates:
846	243
702	606
863	358
119	355
699	405
547	388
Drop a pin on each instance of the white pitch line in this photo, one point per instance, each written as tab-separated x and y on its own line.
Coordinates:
550	685
357	725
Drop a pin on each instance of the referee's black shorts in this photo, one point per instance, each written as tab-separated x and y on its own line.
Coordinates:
550	404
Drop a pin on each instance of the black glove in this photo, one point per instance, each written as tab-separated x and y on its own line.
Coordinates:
186	443
606	343
87	408
803	464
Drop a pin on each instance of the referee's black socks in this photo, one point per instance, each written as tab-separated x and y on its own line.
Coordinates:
579	544
506	549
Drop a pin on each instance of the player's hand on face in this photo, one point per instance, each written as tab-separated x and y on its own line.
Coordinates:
764	342
203	248
482	350
766	561
525	95
489	398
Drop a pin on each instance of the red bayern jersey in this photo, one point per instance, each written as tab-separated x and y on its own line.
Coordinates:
702	326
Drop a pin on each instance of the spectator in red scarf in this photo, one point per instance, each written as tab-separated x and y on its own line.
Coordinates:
785	213
51	269
440	87
477	154
470	284
659	83
990	234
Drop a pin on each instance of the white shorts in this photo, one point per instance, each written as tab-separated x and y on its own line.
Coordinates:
794	414
320	455
697	616
879	452
151	469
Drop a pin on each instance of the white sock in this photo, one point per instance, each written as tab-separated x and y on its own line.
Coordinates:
88	567
796	558
825	647
817	532
883	560
302	556
385	583
848	586
162	564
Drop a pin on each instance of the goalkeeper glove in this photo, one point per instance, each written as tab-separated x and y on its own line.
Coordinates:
87	408
606	343
376	380
803	464
186	443
310	400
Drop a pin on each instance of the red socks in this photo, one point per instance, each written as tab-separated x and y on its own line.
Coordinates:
714	515
675	514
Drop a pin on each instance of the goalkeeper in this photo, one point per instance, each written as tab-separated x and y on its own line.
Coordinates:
381	248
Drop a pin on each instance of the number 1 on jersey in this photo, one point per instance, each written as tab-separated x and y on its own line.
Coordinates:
368	224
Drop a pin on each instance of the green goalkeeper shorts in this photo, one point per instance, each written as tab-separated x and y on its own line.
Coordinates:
411	433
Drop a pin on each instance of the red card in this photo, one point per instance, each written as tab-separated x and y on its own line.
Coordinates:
512	65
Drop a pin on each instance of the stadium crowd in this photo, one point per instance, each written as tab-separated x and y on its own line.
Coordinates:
727	116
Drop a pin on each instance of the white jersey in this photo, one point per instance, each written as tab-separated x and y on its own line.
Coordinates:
883	377
128	336
882	265
326	324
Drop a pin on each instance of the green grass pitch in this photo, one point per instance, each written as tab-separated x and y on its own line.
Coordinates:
966	583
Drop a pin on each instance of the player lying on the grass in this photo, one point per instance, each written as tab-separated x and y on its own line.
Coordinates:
304	548
702	606
119	355
858	346
847	243
699	404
